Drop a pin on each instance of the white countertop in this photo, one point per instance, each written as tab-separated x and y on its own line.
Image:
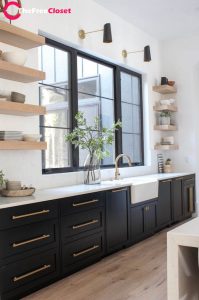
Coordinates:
68	191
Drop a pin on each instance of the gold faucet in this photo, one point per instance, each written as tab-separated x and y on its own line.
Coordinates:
117	173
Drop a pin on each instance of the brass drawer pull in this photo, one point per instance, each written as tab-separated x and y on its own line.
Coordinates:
44	211
45	267
180	178
42	237
120	190
85	224
85	251
191	200
168	180
85	203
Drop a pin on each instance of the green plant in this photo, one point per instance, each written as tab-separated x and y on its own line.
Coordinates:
2	180
165	114
92	138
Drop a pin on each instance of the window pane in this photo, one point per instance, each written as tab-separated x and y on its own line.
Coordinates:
136	119
95	79
137	148
136	90
58	154
56	102
126	87
127	147
55	63
127	117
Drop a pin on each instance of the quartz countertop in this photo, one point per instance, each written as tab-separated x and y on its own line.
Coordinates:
75	190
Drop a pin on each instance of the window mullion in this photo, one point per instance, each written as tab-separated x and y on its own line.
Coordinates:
74	103
118	113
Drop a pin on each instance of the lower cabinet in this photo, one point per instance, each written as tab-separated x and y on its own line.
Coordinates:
143	220
164	203
43	242
117	219
188	196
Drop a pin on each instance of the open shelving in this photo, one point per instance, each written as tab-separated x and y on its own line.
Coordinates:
19	37
165	127
22	145
19	109
19	73
165	89
166	147
164	107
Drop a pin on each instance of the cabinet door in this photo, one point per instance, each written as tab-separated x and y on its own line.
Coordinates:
189	196
149	218
137	223
177	200
164	204
117	219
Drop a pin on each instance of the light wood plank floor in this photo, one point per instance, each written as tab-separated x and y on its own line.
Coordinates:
136	273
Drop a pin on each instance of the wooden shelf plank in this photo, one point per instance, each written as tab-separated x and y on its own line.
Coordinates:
19	73
165	89
22	145
165	127
19	37
19	109
160	107
166	147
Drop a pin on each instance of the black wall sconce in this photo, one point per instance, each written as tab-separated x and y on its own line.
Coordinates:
107	37
146	51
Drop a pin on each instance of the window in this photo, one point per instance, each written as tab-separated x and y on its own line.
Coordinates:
75	82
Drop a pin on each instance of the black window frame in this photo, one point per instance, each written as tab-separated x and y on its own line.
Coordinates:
117	69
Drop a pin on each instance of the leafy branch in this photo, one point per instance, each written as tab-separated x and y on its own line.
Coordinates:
92	138
2	180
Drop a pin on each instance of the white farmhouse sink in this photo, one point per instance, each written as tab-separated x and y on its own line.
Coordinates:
142	188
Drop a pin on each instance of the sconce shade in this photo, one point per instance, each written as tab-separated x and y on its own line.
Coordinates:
147	54
107	38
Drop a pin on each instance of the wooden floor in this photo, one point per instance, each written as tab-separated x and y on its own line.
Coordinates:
136	273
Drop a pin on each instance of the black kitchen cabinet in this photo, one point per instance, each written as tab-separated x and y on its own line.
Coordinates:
117	219
188	196
164	203
143	220
177	200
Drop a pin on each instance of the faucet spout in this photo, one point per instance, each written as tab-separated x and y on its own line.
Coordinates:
117	173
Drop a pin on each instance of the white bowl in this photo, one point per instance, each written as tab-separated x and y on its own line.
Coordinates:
17	58
32	137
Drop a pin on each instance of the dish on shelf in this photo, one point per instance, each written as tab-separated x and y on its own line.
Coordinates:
171	82
17	97
167	101
32	137
17	57
10	135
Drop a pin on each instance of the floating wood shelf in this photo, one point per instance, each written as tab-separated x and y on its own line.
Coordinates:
166	147
22	145
165	108
165	89
18	109
19	37
165	127
19	73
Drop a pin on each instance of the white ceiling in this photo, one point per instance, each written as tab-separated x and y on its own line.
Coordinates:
163	19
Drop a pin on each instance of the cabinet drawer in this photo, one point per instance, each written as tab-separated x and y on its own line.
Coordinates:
78	223
28	271
82	249
26	214
81	203
17	240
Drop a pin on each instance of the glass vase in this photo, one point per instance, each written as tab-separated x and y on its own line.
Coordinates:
92	174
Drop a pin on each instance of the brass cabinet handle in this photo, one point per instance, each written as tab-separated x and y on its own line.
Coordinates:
177	179
15	279
168	180
42	237
85	251
85	203
191	208
120	190
85	224
44	211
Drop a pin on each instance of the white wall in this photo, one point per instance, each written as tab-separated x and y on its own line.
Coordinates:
26	166
180	62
